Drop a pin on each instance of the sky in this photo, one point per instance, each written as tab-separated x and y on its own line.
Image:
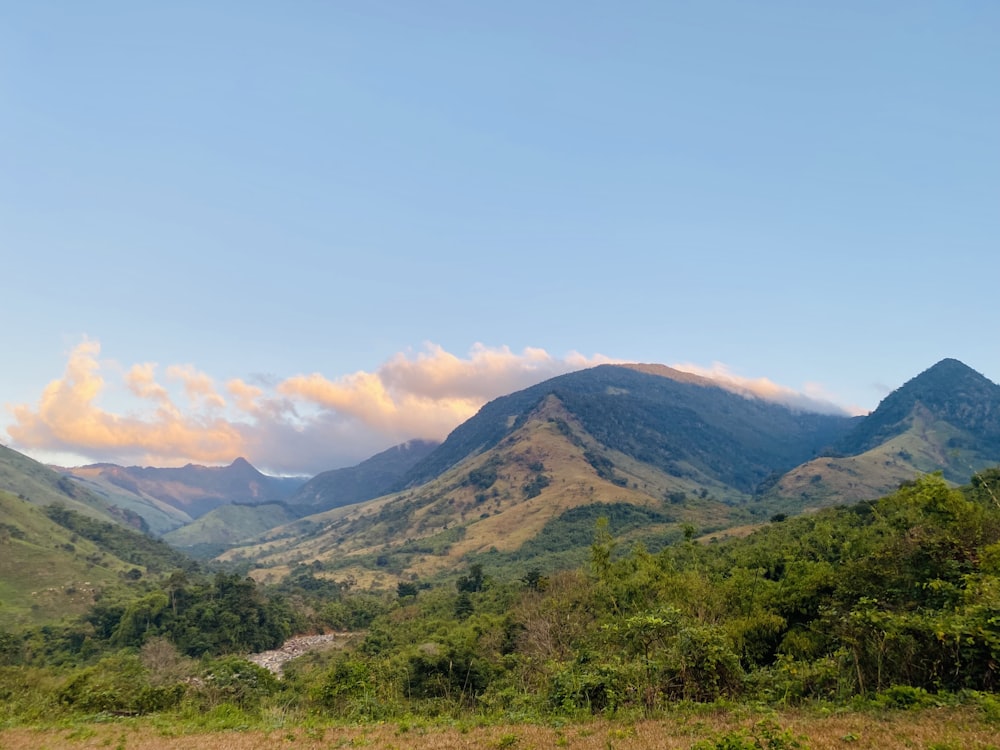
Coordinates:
303	232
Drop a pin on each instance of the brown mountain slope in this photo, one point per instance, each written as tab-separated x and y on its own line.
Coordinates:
495	501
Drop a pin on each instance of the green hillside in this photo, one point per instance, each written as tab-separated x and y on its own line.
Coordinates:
946	419
48	572
40	485
226	526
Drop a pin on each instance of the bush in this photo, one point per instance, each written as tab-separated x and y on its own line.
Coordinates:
237	681
904	696
764	735
118	684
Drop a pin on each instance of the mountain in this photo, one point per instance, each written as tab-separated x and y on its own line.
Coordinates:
62	547
659	453
227	525
41	485
371	478
524	481
945	419
683	424
238	522
190	491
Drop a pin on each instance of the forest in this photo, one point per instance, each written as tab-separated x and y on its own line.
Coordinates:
893	603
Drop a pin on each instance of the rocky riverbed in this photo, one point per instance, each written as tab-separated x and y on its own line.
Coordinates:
294	647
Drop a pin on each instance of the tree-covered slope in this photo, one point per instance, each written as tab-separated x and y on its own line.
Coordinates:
679	423
371	478
949	391
946	419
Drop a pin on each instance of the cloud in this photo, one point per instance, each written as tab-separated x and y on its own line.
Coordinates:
429	393
68	418
199	387
305	423
813	399
302	424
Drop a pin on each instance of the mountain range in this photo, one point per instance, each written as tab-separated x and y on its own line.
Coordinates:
658	452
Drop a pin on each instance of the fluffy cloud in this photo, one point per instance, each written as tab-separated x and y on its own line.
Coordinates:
303	424
68	418
428	394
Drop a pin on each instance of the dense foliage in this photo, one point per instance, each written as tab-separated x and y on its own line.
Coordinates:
124	543
895	600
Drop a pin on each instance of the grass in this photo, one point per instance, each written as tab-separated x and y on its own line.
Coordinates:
46	572
930	729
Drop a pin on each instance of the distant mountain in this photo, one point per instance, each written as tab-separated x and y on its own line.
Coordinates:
192	490
524	481
228	525
945	419
371	478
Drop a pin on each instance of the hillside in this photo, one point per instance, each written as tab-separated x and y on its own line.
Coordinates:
371	478
40	485
653	450
56	562
189	491
500	502
160	517
682	424
45	573
945	419
226	526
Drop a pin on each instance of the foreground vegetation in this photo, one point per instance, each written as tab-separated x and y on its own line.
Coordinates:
883	607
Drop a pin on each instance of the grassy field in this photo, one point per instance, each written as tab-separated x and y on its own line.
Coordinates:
931	729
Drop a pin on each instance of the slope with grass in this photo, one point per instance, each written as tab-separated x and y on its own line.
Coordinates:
40	485
48	572
946	419
497	502
226	526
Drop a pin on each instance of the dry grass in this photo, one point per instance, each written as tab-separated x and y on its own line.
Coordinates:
934	728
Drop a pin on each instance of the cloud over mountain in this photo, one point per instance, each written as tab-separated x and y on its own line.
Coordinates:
101	410
305	423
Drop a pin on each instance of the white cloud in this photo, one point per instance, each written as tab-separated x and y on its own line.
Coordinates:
305	423
813	398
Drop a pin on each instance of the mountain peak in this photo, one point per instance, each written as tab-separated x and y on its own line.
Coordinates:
949	390
951	367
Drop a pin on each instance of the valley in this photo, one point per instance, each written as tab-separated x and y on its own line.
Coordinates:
616	542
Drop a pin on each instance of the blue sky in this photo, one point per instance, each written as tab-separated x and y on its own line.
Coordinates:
303	231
